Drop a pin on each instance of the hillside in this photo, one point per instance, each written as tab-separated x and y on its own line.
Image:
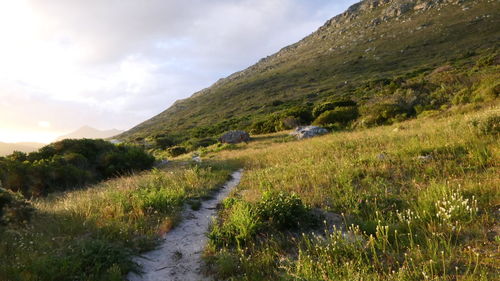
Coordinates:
8	148
90	133
372	41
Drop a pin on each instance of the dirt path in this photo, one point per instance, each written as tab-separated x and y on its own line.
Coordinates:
179	256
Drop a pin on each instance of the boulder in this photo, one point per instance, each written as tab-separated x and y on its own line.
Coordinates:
308	132
235	137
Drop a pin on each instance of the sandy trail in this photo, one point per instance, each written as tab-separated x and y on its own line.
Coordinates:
179	256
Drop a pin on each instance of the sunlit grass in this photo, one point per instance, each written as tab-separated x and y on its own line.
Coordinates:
92	234
421	197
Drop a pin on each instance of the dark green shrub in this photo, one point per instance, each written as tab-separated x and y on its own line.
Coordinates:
70	164
340	115
175	151
283	211
163	142
13	208
272	123
384	113
320	109
195	143
276	102
331	105
302	113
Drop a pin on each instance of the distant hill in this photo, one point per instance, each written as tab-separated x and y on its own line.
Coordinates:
8	148
374	40
87	132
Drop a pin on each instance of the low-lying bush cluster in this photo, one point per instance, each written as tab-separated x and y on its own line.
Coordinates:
275	212
69	164
13	208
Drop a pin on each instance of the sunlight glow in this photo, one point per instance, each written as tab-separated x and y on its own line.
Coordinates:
13	135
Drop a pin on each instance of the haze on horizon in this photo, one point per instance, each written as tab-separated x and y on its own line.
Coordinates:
69	63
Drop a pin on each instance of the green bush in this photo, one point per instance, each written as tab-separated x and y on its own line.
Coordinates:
331	105
340	115
88	259
283	211
13	208
382	113
240	226
163	142
321	108
489	125
196	143
70	164
175	151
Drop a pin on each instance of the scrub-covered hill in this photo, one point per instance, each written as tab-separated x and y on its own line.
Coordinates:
372	52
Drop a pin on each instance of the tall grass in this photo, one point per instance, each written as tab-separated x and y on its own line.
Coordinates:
92	234
419	198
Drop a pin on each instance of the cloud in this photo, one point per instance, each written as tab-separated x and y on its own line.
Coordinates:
109	63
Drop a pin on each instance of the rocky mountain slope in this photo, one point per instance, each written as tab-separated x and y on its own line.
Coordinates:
374	39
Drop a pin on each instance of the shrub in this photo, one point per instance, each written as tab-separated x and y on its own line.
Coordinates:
489	125
283	211
88	259
383	113
341	115
272	123
276	102
302	113
69	164
240	225
290	122
331	105
175	151
163	142
13	208
320	109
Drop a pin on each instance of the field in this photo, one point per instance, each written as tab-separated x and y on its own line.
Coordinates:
419	200
415	200
92	234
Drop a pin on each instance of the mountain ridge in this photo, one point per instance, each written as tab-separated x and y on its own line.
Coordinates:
90	133
26	147
371	39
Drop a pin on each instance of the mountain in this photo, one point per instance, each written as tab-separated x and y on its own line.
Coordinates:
8	148
374	41
90	133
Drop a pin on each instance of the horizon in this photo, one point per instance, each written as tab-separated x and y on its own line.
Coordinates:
105	66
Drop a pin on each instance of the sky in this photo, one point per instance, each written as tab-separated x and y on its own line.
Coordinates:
115	63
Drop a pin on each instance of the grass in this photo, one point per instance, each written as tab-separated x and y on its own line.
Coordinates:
419	197
92	234
418	200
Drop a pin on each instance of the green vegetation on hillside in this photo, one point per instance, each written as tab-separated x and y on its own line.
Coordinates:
69	164
393	66
418	201
404	188
92	234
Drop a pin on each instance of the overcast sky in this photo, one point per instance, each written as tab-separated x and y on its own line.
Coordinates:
115	63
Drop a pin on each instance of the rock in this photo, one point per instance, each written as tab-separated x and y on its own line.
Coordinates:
308	132
235	137
382	156
196	158
424	158
161	163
